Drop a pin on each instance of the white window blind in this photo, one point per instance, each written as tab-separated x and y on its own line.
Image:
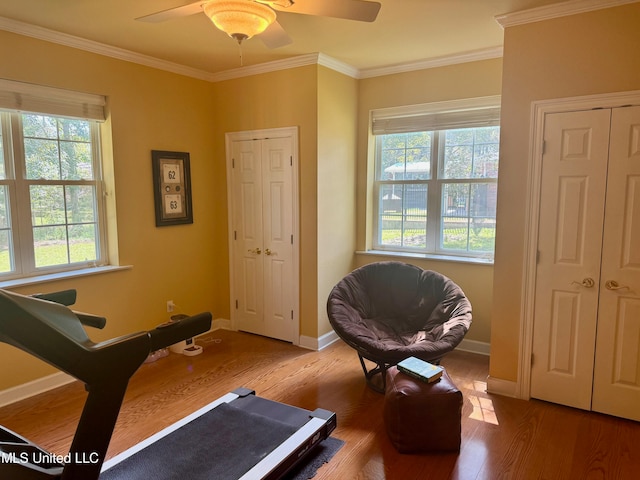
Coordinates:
29	98
482	112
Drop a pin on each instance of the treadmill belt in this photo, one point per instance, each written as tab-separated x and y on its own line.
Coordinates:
224	443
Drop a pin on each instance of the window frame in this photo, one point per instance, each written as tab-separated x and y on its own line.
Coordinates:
453	115
18	186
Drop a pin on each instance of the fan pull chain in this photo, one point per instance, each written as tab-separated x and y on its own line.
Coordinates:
239	37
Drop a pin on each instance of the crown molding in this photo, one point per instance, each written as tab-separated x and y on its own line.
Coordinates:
41	33
293	62
473	56
556	10
338	66
285	64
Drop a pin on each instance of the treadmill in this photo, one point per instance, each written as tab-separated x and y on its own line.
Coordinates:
44	326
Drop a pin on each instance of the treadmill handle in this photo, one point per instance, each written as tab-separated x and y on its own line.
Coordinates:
175	332
68	297
91	320
63	297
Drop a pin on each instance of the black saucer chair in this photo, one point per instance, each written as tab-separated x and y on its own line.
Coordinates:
388	311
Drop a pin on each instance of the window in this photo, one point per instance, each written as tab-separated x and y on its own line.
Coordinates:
436	181
51	202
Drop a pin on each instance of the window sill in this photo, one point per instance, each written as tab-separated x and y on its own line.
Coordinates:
428	256
52	277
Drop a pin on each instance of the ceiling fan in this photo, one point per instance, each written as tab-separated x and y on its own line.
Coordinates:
242	19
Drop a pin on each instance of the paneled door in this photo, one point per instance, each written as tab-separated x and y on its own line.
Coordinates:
586	338
262	224
574	167
616	380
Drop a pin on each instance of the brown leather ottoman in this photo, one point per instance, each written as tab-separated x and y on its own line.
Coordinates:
420	416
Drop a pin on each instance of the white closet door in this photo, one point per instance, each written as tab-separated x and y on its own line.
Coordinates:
248	234
262	243
277	237
574	170
616	384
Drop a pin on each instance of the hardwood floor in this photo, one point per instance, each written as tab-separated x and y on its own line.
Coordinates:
502	438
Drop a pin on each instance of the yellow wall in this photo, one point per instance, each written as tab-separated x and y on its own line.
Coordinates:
469	80
590	53
337	113
322	103
595	52
149	109
270	100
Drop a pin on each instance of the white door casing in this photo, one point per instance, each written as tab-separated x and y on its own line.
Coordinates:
521	388
262	191
585	324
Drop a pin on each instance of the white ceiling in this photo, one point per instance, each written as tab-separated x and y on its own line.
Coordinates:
405	31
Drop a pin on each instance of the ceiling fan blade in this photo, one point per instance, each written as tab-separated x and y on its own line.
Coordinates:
182	11
360	10
275	36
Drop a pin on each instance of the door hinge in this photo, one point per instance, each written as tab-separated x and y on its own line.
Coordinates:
233	163
291	239
236	304
532	359
537	257
544	147
235	235
291	314
291	161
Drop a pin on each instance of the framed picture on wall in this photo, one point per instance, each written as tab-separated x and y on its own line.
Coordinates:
172	188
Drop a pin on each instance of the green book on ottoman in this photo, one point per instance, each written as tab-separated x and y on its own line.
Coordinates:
420	369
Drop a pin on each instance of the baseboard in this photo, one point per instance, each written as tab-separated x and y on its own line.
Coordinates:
220	324
324	341
55	380
474	346
35	387
499	386
310	343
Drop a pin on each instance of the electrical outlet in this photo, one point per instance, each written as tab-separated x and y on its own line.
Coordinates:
170	306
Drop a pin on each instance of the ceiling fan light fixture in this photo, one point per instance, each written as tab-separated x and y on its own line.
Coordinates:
240	19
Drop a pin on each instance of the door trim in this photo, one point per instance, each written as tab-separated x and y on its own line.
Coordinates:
539	110
283	132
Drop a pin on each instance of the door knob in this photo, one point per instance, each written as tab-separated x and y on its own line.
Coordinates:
269	252
257	251
613	285
587	282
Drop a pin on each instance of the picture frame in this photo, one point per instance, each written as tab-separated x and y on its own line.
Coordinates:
171	187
